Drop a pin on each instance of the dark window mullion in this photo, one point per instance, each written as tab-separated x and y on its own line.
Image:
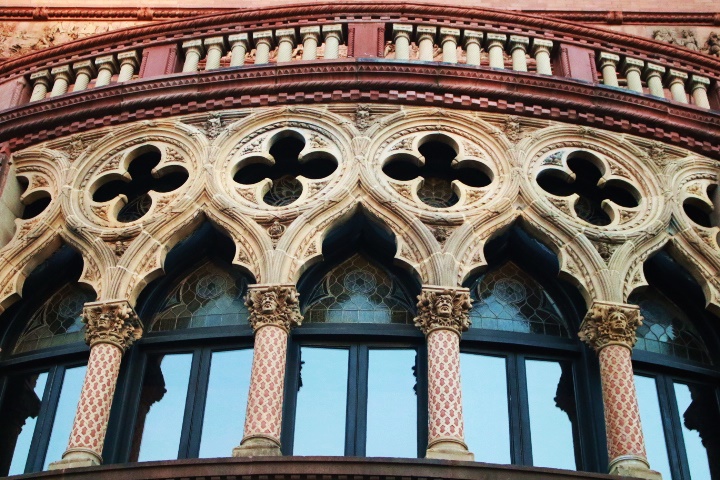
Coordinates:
673	424
46	419
421	369
292	382
200	392
524	409
352	402
516	450
186	433
362	397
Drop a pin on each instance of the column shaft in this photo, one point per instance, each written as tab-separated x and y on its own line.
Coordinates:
401	35
263	41
333	37
238	44
472	47
127	70
214	54
82	80
286	43
425	48
698	86
541	51
41	83
449	40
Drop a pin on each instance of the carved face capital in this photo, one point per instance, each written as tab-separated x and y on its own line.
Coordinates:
443	308
610	324
276	305
114	322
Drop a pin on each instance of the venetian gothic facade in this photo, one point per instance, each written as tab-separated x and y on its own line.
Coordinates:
400	234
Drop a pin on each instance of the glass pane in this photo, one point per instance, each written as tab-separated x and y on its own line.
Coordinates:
226	402
391	404
18	418
321	402
485	407
652	426
510	300
162	407
65	414
698	407
553	415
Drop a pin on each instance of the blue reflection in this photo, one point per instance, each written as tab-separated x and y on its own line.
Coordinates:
22	445
652	427
391	405
697	456
65	414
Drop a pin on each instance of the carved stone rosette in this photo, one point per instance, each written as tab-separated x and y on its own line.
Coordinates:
610	328
442	315
274	309
111	328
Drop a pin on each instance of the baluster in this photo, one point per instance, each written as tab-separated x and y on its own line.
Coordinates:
238	46
608	66
216	48
333	37
193	53
653	77
107	66
496	48
129	62
448	39
62	77
472	46
401	37
41	84
632	67
286	42
84	71
263	42
310	37
426	42
518	50
676	81
698	87
541	52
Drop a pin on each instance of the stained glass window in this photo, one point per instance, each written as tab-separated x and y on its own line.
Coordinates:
57	322
358	291
210	296
510	300
666	329
283	191
437	192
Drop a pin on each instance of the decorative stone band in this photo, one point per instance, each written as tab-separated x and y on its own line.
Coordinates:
270	306
443	308
113	322
275	305
610	324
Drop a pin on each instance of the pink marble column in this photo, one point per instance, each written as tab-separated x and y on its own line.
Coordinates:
273	310
610	328
442	316
111	328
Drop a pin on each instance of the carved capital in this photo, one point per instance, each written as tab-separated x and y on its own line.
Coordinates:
275	305
443	308
114	322
610	324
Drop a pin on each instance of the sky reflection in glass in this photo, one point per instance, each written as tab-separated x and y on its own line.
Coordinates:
485	407
696	454
321	402
652	427
22	445
65	414
392	404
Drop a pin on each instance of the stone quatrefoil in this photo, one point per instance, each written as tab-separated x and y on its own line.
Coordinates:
285	166
438	168
699	210
142	179
35	201
586	181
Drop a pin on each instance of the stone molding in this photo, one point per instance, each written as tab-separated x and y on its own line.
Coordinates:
273	305
115	323
610	324
443	308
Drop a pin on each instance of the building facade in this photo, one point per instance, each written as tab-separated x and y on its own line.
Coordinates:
360	240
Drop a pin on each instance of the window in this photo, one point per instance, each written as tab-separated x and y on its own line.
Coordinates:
42	373
520	363
676	375
353	365
183	393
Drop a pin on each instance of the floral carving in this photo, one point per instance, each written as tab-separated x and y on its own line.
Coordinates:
275	305
512	128
610	324
213	126
75	147
362	117
443	308
115	323
276	231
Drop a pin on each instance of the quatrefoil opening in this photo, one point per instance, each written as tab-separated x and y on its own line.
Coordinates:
34	200
132	193
591	194
700	209
440	169
289	163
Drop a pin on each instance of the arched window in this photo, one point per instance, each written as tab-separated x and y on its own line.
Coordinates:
520	361
677	379
352	365
42	367
184	391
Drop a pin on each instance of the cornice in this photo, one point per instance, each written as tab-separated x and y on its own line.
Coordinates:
552	28
367	80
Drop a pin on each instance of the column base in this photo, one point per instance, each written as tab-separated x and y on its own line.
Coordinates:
257	447
632	466
76	459
449	450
